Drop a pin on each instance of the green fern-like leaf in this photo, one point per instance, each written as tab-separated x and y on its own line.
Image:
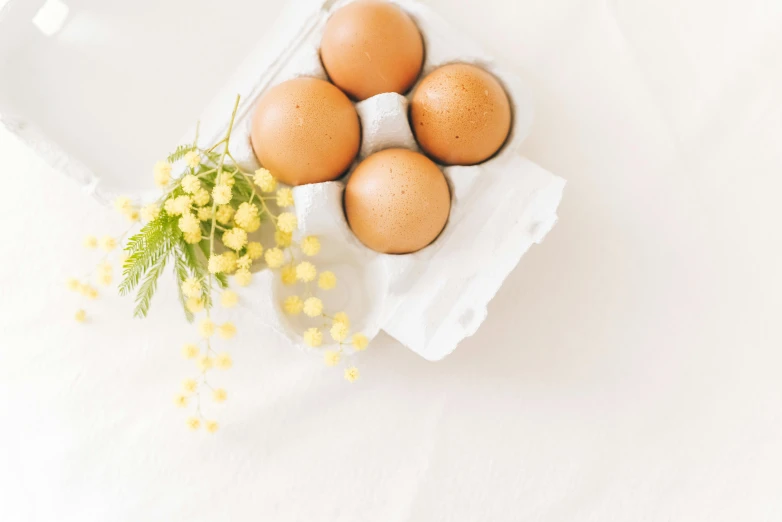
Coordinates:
144	250
179	153
243	185
149	286
148	253
180	268
214	157
222	280
197	267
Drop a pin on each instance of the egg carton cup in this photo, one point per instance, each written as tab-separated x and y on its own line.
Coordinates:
432	299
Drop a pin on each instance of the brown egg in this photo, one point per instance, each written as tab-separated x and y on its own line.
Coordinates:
305	131
370	47
460	114
397	201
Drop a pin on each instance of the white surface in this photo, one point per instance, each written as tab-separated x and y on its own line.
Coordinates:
646	388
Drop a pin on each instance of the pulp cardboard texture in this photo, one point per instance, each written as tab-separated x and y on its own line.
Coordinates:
429	300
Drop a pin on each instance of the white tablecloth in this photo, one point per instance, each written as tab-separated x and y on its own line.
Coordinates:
629	369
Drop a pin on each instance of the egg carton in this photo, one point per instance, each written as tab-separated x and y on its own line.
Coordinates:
434	298
429	300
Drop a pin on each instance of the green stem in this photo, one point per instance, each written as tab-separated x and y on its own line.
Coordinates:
266	209
247	179
207	172
213	147
227	141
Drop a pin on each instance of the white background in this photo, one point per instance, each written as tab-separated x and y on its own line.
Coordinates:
628	370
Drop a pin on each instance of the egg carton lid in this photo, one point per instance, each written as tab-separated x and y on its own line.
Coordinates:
102	90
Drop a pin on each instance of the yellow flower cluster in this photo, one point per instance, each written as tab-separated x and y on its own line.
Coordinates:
310	245
235	238
243	277
192	160
338	329
206	360
192	287
195	304
224	214
284	198
219	395
327	280
313	337
162	173
283	239
229	299
264	179
342	317
236	222
224	361
204	213
150	212
222	194
189	223
205	363
313	307
176	206
219	263
190	183
254	250
206	328
287	222
219	206
125	206
108	243
293	305
282	257
248	216
190	351
244	262
201	197
351	374
274	257
332	357
288	275
306	272
102	272
226	330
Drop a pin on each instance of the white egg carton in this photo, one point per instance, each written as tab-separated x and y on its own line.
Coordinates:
432	299
52	96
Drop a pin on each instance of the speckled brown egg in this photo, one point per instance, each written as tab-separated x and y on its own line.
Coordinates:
305	131
460	114
397	201
370	47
